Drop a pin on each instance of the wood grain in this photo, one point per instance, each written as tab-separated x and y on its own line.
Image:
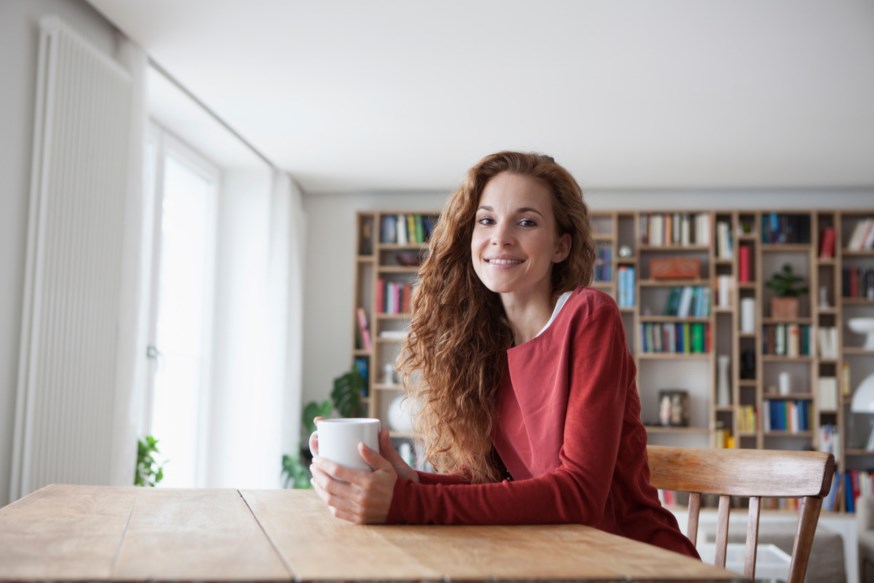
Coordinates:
319	547
67	533
316	546
206	535
63	533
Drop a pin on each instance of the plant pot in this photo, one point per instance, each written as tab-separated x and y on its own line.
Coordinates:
784	308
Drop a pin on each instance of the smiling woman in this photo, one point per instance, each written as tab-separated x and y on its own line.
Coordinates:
527	394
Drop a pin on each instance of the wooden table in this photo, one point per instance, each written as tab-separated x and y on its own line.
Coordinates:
138	534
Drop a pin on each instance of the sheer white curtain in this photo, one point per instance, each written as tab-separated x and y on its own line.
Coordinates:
132	326
256	379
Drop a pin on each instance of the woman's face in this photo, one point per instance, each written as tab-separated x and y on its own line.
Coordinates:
515	242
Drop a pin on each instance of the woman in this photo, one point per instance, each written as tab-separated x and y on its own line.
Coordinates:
526	387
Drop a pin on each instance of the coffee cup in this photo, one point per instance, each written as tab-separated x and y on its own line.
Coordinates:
339	439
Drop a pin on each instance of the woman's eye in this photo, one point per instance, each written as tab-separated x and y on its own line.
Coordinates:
485	221
527	223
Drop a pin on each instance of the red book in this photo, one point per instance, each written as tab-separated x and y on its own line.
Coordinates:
744	263
408	296
854	282
380	296
827	243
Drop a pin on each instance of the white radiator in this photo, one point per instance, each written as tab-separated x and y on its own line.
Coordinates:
67	385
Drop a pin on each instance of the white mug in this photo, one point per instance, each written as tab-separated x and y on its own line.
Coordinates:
339	439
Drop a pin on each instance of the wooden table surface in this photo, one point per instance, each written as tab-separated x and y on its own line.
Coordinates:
137	534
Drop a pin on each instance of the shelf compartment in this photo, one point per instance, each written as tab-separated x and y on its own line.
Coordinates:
675	319
778	358
675	248
785	247
397	269
400	316
773	321
857	351
858	452
674	282
663	429
788	397
857	301
673	355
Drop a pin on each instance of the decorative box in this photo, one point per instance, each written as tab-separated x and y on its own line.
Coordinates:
675	268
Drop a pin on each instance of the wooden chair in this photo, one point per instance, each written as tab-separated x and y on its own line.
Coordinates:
752	473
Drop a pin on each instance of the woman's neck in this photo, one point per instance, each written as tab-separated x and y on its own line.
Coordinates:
527	316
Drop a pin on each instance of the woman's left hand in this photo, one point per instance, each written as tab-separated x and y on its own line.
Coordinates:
358	496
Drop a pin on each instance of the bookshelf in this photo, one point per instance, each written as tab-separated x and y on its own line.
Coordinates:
698	320
390	245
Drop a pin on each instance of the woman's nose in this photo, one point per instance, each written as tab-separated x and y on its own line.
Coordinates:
501	236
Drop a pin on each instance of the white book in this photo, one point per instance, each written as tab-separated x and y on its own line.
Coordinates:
868	243
793	343
402	230
685	230
860	233
725	285
827	394
780	340
702	229
685	302
656	230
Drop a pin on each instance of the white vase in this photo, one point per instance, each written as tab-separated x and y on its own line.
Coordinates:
723	392
400	414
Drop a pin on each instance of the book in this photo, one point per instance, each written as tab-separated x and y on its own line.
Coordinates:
388	229
685	302
827	393
744	264
723	241
380	296
364	330
860	235
827	243
793	340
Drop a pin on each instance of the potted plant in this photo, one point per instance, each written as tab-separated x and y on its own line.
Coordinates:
788	287
148	471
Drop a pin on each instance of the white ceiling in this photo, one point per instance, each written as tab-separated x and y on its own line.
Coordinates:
407	94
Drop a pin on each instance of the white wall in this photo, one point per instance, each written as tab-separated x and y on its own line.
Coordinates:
330	260
19	41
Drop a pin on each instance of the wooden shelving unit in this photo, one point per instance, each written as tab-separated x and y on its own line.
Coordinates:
626	247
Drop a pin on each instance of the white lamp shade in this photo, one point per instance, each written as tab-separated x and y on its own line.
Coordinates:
863	397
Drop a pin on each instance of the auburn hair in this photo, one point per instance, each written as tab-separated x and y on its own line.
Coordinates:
455	352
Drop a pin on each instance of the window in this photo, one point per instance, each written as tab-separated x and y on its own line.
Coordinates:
181	315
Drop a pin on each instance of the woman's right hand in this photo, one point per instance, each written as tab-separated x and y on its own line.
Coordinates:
386	450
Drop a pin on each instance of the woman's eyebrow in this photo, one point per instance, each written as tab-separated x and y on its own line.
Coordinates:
524	209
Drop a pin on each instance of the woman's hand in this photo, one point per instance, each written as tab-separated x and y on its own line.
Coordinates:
386	449
358	496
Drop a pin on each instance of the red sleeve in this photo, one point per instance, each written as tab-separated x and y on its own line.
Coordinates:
576	492
432	478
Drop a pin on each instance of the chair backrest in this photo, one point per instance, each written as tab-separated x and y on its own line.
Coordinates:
753	473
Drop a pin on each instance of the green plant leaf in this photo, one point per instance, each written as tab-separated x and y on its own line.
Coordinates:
313	410
347	393
147	471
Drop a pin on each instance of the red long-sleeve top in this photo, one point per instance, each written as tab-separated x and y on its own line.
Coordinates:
569	432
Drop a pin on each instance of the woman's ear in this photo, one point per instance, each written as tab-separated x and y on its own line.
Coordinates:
562	248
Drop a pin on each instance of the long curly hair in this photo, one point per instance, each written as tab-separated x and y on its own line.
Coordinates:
455	351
